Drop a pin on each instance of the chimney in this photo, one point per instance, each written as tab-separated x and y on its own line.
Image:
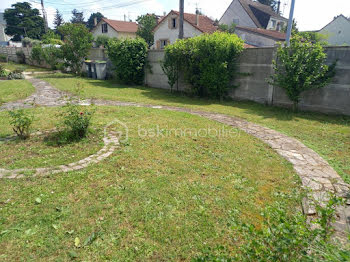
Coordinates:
125	17
278	7
164	13
197	17
95	21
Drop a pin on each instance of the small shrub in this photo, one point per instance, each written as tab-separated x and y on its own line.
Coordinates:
21	122
76	118
3	72
16	74
26	42
21	57
3	58
50	54
37	54
102	40
129	57
51	38
301	67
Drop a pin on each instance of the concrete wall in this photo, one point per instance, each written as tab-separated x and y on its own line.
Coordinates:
10	52
236	13
255	39
338	31
335	98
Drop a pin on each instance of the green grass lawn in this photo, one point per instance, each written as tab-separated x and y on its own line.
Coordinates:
12	90
165	198
328	135
24	67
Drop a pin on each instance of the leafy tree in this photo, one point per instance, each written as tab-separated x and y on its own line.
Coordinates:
90	23
229	29
58	20
146	25
23	20
77	17
51	38
301	67
129	57
77	43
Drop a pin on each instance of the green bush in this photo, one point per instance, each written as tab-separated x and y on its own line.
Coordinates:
129	57
28	42
21	122
77	43
301	67
208	61
37	54
15	75
3	58
21	57
102	40
52	39
3	72
50	54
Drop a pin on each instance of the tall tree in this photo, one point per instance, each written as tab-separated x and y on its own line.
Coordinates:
91	21
77	17
145	29
58	20
272	3
23	20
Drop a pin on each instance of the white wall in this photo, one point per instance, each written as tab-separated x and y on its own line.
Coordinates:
338	31
111	32
236	11
3	36
255	39
271	27
164	33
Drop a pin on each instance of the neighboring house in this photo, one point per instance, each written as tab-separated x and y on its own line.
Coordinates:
115	28
337	31
259	37
252	14
167	30
4	39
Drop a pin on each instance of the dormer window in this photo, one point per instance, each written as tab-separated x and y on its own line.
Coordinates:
273	23
173	22
104	28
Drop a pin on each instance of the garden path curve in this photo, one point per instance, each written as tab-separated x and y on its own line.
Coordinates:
315	173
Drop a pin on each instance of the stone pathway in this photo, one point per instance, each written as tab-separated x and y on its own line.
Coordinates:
315	173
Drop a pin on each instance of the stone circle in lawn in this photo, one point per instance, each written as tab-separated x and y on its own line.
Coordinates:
111	142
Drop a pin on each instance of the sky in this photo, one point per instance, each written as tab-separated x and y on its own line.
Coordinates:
309	14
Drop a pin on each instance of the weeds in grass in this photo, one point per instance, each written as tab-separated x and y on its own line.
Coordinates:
21	122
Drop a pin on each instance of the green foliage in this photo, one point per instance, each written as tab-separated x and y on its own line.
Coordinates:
102	40
21	122
129	56
50	54
285	237
3	58
145	30
301	67
314	37
16	74
23	20
209	62
91	23
172	63
3	72
76	118
21	57
272	3
52	39
229	29
28	42
77	43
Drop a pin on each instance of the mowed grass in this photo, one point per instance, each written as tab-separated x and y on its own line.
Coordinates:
12	90
24	67
161	196
328	135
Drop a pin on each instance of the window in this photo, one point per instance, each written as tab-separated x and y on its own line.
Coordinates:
104	28
173	22
163	43
235	21
273	23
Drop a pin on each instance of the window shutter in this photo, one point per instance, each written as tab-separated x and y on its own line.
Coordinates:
169	23
158	44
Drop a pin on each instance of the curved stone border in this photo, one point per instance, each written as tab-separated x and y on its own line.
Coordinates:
110	140
315	173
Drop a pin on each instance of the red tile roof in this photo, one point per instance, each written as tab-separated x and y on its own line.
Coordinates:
122	26
205	25
269	33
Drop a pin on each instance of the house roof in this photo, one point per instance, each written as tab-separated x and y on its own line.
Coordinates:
122	26
2	20
205	24
267	33
259	13
335	18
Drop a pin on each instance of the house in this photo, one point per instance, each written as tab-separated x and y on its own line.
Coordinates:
167	30
115	28
337	31
259	37
252	14
4	39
